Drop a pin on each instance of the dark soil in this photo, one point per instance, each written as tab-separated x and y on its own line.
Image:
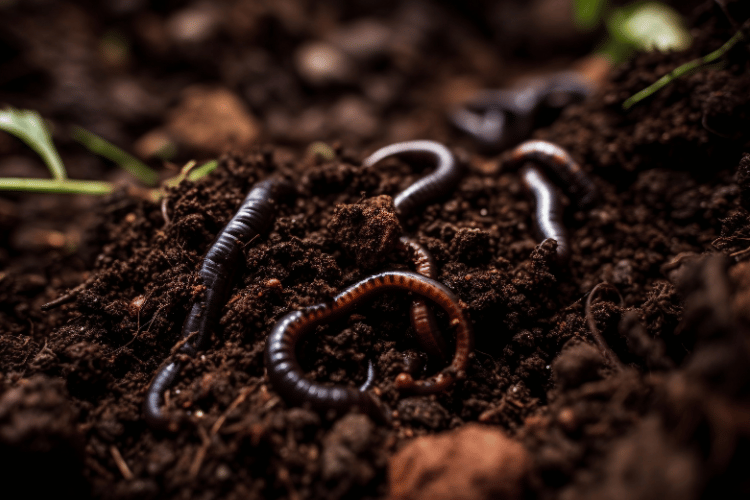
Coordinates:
672	234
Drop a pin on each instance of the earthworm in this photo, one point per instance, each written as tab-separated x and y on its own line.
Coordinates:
562	165
548	210
422	319
286	375
253	217
440	182
499	118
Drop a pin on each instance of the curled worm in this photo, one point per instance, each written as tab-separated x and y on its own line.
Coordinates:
253	217
438	183
562	165
548	210
287	377
422	319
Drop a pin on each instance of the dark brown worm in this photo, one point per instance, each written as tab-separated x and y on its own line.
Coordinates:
548	210
554	158
422	319
253	217
500	118
440	182
288	379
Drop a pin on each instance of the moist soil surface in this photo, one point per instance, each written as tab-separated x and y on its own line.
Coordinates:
666	417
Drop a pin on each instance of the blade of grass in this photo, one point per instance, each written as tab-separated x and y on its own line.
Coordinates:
67	186
29	126
682	70
203	170
124	160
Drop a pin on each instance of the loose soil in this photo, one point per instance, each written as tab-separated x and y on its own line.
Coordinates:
671	234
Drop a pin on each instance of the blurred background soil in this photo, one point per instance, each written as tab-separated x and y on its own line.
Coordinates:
259	85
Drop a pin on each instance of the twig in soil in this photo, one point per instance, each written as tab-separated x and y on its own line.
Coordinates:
685	69
200	454
66	298
237	401
216	272
604	348
120	462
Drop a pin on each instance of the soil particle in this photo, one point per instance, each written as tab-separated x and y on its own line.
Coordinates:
212	121
577	365
38	431
471	463
367	231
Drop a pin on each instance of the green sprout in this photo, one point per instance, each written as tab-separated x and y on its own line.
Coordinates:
30	127
685	69
126	161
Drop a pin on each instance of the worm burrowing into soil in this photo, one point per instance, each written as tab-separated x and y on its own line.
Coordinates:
287	377
253	217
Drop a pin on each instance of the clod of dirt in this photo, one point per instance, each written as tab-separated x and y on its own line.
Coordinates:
644	464
367	231
577	365
472	463
38	438
321	63
346	458
212	121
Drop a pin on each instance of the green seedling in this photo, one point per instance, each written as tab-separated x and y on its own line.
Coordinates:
126	161
29	126
685	69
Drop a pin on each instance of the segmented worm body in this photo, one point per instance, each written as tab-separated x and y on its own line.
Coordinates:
422	319
287	377
444	179
253	217
500	118
440	182
548	215
559	162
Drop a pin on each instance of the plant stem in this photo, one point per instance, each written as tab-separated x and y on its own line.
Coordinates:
67	186
686	68
126	161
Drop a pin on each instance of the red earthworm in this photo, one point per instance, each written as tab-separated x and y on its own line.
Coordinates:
555	159
548	210
422	319
440	182
286	375
253	217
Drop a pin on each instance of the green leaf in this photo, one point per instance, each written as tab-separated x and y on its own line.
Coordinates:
588	13
648	26
29	126
124	160
67	186
202	171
